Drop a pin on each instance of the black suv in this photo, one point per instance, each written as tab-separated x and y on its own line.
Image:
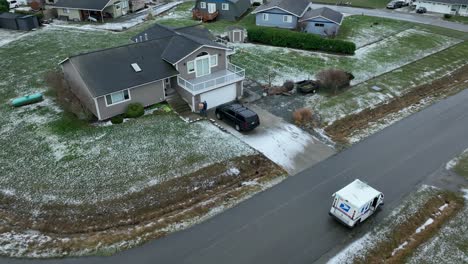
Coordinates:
242	118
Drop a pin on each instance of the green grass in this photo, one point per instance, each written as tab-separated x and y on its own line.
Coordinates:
459	19
358	3
462	165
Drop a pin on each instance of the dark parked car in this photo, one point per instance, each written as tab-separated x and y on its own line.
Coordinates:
242	118
421	10
395	4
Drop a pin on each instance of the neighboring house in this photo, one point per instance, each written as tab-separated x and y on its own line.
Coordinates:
281	13
453	7
161	59
230	10
323	21
95	10
136	5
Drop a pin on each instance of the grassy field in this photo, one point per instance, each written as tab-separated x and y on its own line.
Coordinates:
459	19
48	155
358	3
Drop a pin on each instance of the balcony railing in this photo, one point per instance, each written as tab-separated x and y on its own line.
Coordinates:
231	75
199	14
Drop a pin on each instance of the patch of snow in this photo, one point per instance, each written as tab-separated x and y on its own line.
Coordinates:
443	207
343	257
233	171
421	228
465	191
400	247
249	183
453	162
8	36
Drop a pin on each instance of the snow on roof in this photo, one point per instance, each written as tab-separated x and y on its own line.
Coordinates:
358	193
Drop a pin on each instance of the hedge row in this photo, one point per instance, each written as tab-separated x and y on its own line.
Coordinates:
298	40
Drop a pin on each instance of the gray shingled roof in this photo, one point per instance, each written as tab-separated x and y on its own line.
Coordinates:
324	12
107	71
82	4
295	7
457	2
184	41
10	15
110	70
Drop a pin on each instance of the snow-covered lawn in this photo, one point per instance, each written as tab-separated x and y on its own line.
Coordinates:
262	62
47	156
7	36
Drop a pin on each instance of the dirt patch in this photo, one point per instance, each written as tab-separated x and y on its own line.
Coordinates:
92	228
407	236
342	129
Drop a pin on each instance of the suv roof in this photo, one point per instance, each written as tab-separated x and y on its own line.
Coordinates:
239	109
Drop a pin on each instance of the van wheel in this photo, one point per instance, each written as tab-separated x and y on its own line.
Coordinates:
218	115
237	127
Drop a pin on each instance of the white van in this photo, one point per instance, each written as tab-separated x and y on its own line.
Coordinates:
355	203
13	3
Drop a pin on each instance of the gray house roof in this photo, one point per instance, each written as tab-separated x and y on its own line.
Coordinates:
97	5
324	12
183	41
456	2
110	70
294	7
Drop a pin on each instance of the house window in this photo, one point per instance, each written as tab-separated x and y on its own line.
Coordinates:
190	67
319	25
118	97
214	60
287	19
66	11
124	4
202	4
265	17
225	6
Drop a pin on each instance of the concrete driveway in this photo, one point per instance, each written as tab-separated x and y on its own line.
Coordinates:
285	144
417	18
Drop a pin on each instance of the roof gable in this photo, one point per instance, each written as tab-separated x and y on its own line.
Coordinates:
324	12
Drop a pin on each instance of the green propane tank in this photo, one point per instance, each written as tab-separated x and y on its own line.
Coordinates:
28	99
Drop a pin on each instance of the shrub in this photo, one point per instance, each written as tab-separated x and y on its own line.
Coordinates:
39	15
59	88
117	119
334	80
4	6
288	85
302	116
135	110
447	16
298	40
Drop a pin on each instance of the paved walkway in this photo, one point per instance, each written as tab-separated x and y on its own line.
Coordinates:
417	18
285	144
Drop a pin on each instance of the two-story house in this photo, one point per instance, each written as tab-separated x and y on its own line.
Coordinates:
185	59
231	10
94	10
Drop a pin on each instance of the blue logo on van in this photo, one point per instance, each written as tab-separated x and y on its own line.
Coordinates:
345	207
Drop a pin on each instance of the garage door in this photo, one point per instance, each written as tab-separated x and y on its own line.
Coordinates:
219	96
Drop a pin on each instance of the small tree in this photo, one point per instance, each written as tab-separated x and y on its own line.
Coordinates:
4	6
334	79
302	116
35	5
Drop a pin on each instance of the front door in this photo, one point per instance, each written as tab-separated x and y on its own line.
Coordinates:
202	66
211	8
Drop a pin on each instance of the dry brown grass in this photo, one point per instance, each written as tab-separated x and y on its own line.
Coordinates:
382	252
302	116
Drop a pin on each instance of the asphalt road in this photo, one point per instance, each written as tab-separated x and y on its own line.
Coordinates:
289	222
392	14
